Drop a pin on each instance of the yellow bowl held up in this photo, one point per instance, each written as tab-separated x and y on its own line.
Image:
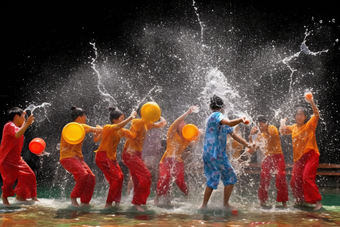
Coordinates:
190	132
73	133
151	111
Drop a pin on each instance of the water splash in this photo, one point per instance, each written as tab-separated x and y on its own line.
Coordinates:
199	20
101	88
33	107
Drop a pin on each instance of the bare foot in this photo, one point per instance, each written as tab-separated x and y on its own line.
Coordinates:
230	207
74	202
203	207
108	205
318	205
156	201
5	201
139	208
117	205
19	198
284	204
85	204
35	199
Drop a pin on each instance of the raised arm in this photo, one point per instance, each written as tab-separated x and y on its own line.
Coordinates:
284	130
24	126
160	124
174	125
316	111
240	140
232	123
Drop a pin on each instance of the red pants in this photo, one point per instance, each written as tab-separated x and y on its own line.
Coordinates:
113	175
27	184
85	179
275	163
171	168
141	177
303	178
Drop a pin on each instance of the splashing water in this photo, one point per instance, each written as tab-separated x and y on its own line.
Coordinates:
32	107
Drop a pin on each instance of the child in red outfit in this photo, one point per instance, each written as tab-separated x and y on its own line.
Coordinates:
132	158
12	166
71	159
306	155
106	154
270	144
171	164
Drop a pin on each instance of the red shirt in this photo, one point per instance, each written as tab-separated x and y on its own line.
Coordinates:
10	148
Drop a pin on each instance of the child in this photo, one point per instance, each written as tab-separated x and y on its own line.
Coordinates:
71	158
306	156
270	144
171	164
132	158
215	160
106	154
12	166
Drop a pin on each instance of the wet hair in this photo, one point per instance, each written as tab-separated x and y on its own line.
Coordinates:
14	111
305	112
114	113
76	112
216	102
261	118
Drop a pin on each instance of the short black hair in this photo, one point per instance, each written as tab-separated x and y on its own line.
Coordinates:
305	112
14	111
216	102
261	118
76	112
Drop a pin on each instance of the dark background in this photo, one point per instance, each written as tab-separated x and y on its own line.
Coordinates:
42	43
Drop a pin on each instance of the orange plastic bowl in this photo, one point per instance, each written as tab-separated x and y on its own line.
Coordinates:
308	96
37	145
190	132
73	133
151	111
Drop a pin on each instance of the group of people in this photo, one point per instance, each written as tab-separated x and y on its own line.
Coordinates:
216	163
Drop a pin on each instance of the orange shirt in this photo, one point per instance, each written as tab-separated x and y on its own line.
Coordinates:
304	138
237	148
176	145
71	150
139	128
269	141
111	138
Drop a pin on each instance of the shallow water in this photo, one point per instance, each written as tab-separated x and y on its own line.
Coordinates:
58	212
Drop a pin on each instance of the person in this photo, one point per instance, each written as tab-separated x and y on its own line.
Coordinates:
216	163
235	149
106	154
269	142
171	165
12	166
132	158
305	154
71	158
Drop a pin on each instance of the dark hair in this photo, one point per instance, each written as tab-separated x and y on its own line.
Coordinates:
216	102
76	112
305	112
261	118
14	111
114	113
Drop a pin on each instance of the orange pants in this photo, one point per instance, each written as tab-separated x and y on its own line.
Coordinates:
27	184
141	176
85	179
171	168
276	163
303	178
113	175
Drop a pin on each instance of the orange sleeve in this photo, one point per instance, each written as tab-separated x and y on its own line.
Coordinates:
123	132
86	128
108	129
313	122
272	130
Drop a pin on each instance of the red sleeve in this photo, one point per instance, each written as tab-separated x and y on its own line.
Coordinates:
10	129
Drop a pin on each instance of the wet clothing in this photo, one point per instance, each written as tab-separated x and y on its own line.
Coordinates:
138	127
170	168
140	174
85	179
71	158
106	160
274	162
72	150
13	167
171	165
216	163
113	174
306	161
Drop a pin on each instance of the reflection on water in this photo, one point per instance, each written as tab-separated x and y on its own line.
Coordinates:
58	212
